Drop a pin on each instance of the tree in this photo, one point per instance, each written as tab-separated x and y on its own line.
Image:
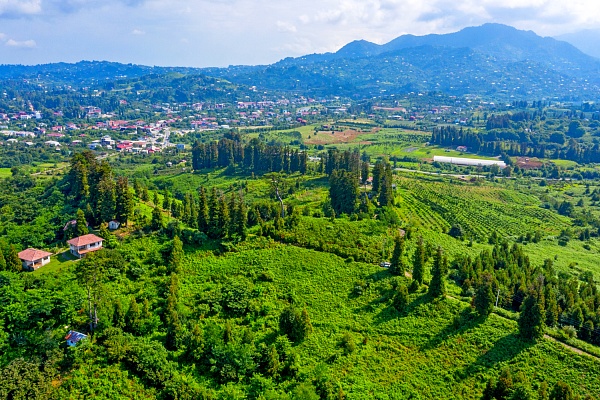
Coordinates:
561	391
400	300
364	172
81	227
175	255
397	265
134	317
437	286
2	261
343	191
90	273
386	194
484	295
156	223
124	201
119	315
203	219
295	325
13	263
532	317
106	200
456	231
166	205
419	262
241	217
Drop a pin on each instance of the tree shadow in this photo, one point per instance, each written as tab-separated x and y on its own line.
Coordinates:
505	349
462	322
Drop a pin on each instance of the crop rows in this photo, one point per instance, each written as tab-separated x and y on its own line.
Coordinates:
479	211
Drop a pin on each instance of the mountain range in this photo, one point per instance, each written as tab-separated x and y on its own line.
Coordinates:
492	60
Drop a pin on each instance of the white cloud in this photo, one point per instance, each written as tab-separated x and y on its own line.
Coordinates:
25	44
16	8
285	27
2	36
138	32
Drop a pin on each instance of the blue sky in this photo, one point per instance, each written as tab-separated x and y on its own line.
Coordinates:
203	33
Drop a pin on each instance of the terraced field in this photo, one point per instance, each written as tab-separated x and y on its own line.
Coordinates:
480	210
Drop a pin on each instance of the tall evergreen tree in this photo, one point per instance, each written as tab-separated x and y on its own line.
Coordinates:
13	263
437	286
166	200
241	220
2	261
419	262
156	223
386	194
203	219
397	265
175	255
81	227
106	200
364	172
124	201
532	316
484	295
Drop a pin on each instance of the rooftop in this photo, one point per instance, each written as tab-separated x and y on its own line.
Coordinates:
84	240
32	254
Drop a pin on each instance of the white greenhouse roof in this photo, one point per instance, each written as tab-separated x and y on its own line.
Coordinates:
469	161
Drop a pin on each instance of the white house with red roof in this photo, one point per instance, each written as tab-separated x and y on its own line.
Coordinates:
32	258
82	245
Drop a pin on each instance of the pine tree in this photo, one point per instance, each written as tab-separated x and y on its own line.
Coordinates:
172	320
81	227
124	201
386	195
166	200
532	316
13	263
134	317
397	265
364	172
106	200
155	199
222	218
2	261
562	391
145	196
213	212
119	315
203	219
156	223
400	300
484	295
175	255
419	262
437	286
241	220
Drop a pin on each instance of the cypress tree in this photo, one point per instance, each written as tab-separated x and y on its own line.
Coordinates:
532	317
400	300
437	286
13	263
397	265
175	255
156	223
484	295
134	317
119	315
155	199
81	224
241	220
419	262
124	201
364	172
106	200
203	219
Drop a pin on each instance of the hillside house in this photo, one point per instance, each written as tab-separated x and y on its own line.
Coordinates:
82	245
74	337
32	258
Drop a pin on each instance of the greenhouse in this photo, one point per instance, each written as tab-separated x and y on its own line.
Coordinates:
469	161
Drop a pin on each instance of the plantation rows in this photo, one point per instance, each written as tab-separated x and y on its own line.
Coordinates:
478	211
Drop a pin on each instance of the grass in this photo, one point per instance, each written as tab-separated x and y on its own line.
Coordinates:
5	172
434	351
57	263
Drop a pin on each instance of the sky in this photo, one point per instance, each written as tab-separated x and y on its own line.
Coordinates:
216	33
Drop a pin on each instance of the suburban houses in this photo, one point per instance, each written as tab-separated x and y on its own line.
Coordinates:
33	259
82	245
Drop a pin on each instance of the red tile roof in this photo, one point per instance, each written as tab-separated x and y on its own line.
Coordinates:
33	254
85	240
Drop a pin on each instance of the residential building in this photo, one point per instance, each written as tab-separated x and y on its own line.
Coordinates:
82	245
32	258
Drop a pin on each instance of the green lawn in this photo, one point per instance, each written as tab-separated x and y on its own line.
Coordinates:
5	172
57	263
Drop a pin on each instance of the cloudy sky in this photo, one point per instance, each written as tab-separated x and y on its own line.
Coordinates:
204	33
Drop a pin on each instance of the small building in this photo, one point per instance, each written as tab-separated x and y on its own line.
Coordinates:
82	245
114	224
74	337
32	258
